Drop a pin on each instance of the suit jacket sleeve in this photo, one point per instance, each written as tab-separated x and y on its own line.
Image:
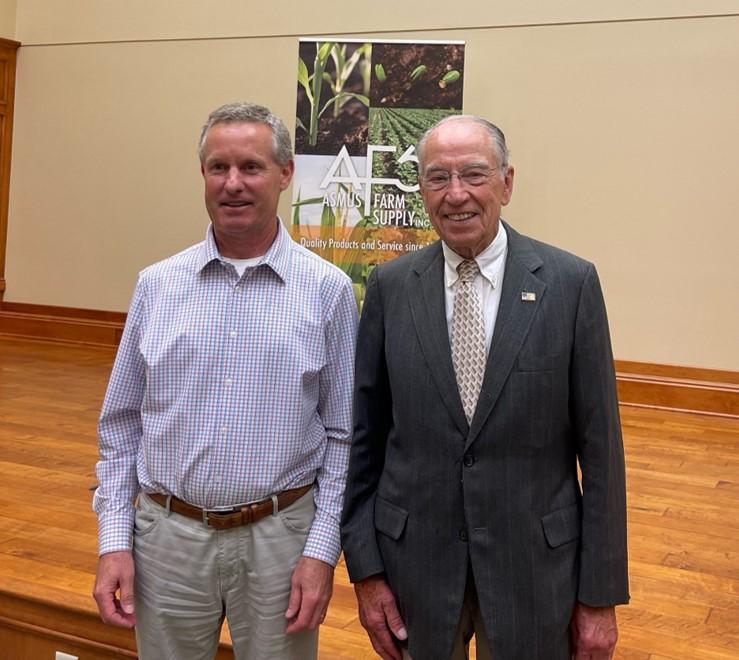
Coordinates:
372	420
596	427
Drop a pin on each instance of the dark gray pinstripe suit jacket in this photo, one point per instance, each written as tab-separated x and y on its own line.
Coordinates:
427	493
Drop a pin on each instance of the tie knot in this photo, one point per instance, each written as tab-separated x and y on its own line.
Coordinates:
467	270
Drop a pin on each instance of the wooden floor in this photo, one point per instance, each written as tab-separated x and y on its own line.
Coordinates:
683	482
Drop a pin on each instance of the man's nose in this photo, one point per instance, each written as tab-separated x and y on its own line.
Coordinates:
234	180
456	190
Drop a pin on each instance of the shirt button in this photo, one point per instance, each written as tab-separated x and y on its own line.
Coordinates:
229	382
224	430
463	535
232	334
468	460
217	478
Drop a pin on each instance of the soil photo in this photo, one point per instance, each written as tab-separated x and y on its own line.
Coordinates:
417	75
332	106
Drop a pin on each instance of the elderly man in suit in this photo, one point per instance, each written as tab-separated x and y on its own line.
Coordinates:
484	376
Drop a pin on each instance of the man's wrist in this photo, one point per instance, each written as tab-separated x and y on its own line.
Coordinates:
115	533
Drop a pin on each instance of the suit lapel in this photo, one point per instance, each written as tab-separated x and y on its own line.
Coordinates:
512	324
426	296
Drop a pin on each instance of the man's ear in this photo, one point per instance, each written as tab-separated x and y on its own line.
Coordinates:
286	174
508	189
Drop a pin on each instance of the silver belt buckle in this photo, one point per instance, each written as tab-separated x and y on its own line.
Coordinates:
217	509
221	509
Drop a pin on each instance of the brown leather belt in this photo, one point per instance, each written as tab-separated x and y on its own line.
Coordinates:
236	516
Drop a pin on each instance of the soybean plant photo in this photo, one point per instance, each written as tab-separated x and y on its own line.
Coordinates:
420	75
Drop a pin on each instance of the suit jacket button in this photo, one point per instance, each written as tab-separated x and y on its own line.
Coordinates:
463	535
468	460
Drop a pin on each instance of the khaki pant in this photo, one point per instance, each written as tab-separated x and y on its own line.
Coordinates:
190	577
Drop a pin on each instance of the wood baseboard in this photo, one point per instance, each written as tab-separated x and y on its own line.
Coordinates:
33	627
68	325
671	387
662	386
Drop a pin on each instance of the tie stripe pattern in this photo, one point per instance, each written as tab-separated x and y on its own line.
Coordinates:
468	337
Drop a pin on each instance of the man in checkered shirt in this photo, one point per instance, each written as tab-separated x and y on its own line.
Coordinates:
228	420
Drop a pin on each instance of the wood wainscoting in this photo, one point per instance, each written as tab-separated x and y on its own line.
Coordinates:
685	389
69	325
642	384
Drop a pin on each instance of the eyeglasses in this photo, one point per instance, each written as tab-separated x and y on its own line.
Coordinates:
470	178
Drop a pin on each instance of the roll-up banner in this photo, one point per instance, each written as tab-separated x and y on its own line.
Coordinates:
361	107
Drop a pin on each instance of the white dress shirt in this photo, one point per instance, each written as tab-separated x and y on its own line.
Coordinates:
489	281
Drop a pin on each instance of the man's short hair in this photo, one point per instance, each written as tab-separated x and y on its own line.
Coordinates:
239	113
500	149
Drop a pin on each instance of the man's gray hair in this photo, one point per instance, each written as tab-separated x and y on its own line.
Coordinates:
497	139
238	113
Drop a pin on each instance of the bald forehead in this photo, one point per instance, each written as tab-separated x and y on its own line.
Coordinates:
455	138
459	128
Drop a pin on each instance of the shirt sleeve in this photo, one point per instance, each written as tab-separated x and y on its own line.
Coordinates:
119	436
335	408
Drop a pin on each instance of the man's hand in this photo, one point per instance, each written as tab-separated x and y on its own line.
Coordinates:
594	632
312	584
115	573
379	615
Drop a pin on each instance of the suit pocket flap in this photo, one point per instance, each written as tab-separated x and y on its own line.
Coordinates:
562	526
389	519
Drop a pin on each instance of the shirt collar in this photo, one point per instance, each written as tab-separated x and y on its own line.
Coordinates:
489	260
277	257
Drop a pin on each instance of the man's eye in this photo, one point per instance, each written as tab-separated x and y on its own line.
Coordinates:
438	179
474	177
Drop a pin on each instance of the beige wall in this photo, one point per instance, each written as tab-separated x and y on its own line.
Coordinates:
623	134
7	18
43	21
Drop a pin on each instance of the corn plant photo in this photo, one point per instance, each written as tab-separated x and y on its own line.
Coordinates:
333	97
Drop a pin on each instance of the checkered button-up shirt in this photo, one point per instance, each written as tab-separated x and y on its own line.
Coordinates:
228	389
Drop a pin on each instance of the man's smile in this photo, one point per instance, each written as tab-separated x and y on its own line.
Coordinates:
460	216
235	203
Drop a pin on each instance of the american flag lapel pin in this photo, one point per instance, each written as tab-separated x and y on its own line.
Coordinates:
528	296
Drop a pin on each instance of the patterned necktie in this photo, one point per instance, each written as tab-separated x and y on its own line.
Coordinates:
468	337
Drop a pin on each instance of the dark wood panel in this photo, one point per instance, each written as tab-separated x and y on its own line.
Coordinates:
8	49
4	81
